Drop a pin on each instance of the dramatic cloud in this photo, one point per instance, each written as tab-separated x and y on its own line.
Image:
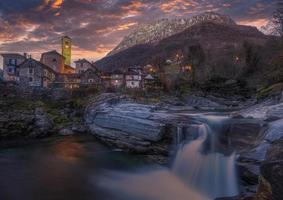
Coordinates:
97	26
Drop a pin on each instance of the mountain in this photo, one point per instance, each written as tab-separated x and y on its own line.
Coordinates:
217	34
155	32
270	29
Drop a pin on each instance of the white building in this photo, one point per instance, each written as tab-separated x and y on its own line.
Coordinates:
133	80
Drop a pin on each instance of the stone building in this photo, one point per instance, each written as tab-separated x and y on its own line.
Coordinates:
11	62
69	70
133	80
90	78
54	60
1	75
35	74
66	44
83	65
105	79
117	79
67	81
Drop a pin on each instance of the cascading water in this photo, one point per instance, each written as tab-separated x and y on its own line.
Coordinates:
200	171
205	170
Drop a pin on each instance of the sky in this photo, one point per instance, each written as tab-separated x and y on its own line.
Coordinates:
97	26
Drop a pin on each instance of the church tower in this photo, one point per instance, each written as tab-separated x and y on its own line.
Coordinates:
67	49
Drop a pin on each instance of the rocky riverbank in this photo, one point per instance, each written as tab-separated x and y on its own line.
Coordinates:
152	129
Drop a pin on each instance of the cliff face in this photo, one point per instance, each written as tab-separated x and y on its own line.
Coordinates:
155	32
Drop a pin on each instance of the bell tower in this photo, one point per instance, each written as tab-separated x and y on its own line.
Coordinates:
67	49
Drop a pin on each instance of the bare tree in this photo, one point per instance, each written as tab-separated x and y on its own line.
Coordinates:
278	17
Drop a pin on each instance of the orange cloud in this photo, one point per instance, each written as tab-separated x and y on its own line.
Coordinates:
53	4
175	5
256	22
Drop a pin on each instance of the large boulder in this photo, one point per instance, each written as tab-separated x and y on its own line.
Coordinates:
118	120
271	178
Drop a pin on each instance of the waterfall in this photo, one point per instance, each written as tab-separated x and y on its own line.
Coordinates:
200	171
205	170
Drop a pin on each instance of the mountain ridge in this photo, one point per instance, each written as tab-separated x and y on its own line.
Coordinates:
154	32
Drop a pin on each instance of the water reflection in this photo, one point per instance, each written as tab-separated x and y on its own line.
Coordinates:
59	169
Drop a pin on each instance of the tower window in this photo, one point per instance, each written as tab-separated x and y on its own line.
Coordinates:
30	79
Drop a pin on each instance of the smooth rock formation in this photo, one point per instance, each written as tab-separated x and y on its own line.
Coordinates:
271	178
118	120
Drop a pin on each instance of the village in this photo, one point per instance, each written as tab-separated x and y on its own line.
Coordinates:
54	70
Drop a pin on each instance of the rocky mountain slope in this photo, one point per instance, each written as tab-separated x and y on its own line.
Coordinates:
155	32
221	43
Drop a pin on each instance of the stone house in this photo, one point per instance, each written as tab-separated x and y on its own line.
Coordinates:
90	78
11	62
69	70
1	75
33	73
117	79
54	60
67	81
83	65
105	79
133	80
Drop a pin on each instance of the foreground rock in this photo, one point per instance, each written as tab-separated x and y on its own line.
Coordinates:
120	121
271	178
24	124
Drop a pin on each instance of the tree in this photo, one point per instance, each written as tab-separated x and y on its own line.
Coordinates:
194	56
252	57
278	17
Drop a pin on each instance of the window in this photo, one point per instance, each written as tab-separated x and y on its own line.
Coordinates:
10	70
30	70
30	79
54	60
10	61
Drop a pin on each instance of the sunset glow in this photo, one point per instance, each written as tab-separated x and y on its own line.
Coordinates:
97	26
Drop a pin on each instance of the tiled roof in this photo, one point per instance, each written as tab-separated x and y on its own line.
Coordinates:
12	55
39	63
53	52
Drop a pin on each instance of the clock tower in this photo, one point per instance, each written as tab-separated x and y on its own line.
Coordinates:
67	49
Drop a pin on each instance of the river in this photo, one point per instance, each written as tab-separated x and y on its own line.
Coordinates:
64	168
80	168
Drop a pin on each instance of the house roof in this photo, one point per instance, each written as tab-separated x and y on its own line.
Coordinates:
86	61
12	55
69	67
53	52
117	72
82	61
132	73
149	77
30	60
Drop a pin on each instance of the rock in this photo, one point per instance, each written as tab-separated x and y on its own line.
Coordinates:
271	179
268	110
203	103
24	123
79	128
246	133
275	131
118	120
66	132
42	122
